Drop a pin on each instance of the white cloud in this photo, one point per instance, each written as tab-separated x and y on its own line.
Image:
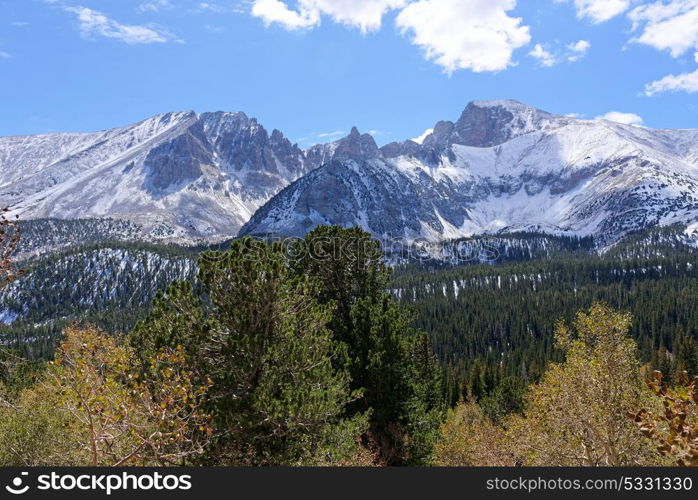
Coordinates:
212	7
154	5
625	118
363	14
545	58
457	34
599	10
211	28
94	23
5	55
575	115
671	26
465	34
577	50
688	82
336	133
277	12
20	24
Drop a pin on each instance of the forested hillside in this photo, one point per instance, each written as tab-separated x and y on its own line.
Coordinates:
487	302
109	285
46	236
497	321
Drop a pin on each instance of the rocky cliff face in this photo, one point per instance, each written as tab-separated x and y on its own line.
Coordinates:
356	146
262	162
177	161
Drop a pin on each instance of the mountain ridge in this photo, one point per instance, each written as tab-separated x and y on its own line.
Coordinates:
155	173
502	166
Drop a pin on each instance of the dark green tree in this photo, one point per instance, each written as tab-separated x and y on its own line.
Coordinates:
390	362
686	358
258	332
348	264
506	398
477	384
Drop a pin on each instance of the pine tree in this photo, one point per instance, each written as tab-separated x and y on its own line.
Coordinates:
400	383
279	387
477	386
686	358
506	398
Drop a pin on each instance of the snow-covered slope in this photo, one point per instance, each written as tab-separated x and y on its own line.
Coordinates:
122	278
502	167
179	176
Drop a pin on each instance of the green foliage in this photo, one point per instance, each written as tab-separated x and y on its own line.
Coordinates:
469	439
279	386
120	416
490	322
507	398
388	360
685	358
477	383
90	407
16	372
348	265
32	431
316	355
110	286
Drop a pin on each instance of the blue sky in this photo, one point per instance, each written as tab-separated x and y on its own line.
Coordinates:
314	68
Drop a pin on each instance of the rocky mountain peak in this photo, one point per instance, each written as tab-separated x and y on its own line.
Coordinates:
569	176
491	123
277	136
356	146
484	125
481	124
173	116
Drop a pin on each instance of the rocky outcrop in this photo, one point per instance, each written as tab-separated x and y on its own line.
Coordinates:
356	146
176	162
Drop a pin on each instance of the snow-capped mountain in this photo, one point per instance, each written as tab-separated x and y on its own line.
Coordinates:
501	167
180	176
